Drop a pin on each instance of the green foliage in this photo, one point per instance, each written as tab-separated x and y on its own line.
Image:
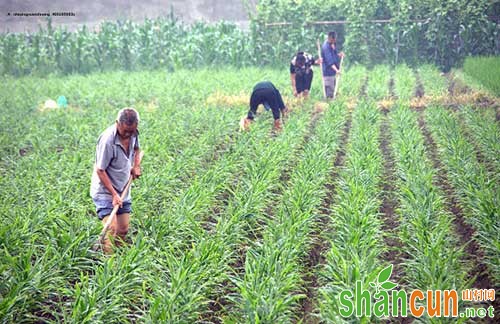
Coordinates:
355	237
160	43
205	252
486	134
48	271
224	222
270	288
441	32
426	226
359	40
486	70
352	81
404	82
444	33
378	82
433	80
477	192
456	29
278	44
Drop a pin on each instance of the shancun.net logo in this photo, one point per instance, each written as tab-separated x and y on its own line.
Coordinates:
387	301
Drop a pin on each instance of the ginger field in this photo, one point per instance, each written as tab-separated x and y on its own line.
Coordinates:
402	169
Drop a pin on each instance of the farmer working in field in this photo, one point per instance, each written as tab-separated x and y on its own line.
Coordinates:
301	73
265	93
331	60
116	160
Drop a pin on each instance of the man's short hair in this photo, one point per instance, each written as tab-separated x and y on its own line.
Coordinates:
128	116
332	34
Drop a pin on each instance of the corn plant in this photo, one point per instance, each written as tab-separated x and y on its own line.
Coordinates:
161	43
477	193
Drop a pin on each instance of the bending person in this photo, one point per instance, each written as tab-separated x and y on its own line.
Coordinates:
265	93
301	73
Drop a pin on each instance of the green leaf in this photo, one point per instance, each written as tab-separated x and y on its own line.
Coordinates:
385	274
388	285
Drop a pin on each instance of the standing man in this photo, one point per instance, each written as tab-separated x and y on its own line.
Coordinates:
116	160
331	61
265	93
301	73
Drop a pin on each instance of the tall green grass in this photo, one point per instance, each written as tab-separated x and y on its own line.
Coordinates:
161	43
486	70
351	81
216	248
485	133
48	226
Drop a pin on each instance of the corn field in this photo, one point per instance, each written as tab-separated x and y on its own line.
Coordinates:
245	227
160	43
443	34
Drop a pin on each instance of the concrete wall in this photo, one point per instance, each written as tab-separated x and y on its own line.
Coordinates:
91	13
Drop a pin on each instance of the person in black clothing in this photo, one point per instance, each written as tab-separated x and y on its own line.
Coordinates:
301	73
265	93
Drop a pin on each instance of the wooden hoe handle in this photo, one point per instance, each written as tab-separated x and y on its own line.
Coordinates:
112	216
